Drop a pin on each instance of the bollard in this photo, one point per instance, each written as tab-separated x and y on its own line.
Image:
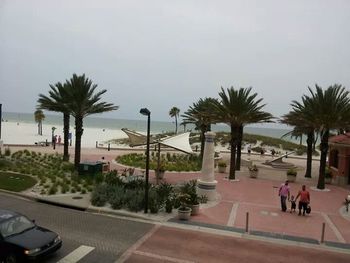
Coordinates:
247	222
109	147
96	144
323	230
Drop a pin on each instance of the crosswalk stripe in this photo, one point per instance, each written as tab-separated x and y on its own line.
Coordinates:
76	255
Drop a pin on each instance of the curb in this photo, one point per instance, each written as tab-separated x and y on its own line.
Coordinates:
79	208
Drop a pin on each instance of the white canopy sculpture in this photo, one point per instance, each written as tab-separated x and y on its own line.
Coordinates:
180	142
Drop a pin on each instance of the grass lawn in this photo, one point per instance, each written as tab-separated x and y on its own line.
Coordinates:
15	182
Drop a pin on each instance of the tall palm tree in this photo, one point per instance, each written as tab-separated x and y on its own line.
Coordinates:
299	118
200	114
329	109
82	101
174	112
56	101
39	116
237	108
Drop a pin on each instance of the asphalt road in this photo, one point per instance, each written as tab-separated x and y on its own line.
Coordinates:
103	239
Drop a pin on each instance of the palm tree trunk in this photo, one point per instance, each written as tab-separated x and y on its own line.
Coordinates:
233	144
39	127
175	124
324	151
65	134
78	134
239	148
309	141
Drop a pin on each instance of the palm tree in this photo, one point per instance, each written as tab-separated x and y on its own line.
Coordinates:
298	117
174	112
82	101
56	101
329	109
237	108
39	116
200	114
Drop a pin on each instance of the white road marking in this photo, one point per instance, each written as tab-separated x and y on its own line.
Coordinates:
333	227
232	217
76	255
163	258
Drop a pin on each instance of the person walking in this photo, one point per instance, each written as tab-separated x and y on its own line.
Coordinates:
304	199
284	193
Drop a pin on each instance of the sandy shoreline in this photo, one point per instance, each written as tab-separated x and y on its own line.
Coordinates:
27	134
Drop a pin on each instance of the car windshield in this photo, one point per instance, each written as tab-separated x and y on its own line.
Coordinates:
15	226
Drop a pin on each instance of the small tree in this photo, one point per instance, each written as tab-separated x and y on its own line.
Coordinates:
39	116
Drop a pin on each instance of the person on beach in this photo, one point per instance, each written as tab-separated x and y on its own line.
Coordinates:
249	149
284	193
304	199
59	140
293	205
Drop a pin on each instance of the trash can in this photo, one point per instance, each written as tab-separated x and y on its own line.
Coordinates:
90	168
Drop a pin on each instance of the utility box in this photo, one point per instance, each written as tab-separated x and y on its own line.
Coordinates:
91	168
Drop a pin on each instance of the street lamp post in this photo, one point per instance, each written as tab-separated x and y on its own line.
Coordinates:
146	112
0	118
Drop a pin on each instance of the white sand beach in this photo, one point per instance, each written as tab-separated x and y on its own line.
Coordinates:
27	134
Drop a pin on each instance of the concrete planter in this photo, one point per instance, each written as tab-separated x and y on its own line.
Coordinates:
195	210
222	169
328	180
253	174
184	214
291	178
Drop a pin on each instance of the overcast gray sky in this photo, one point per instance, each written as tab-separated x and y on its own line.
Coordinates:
164	53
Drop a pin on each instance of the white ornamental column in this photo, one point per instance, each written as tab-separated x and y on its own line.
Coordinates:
207	183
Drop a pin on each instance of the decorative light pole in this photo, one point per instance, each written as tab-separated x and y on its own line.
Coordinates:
146	112
0	118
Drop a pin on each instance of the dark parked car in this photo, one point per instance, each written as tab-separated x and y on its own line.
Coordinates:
22	240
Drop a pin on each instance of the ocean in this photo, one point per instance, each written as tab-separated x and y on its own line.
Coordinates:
137	125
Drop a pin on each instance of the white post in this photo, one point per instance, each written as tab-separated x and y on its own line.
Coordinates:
207	182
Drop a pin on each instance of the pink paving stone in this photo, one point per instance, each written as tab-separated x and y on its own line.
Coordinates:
195	246
343	225
210	214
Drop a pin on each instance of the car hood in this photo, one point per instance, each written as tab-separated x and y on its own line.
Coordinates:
32	238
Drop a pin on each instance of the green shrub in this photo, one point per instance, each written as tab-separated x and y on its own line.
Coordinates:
83	191
53	190
99	195
292	172
135	184
112	178
67	167
164	191
153	201
168	206
7	151
116	197
134	200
